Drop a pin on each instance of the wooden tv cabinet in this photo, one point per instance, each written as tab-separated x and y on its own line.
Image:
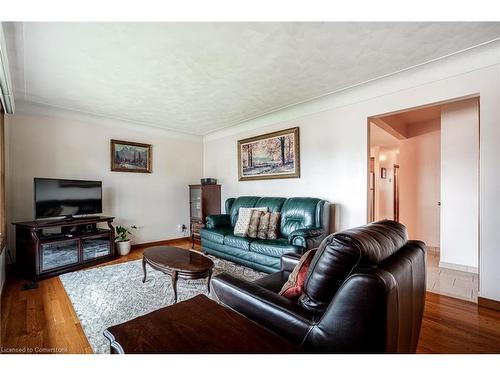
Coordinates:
47	248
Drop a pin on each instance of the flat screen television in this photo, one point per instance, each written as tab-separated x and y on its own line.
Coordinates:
58	197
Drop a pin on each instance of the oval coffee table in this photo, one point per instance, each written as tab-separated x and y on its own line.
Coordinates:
178	263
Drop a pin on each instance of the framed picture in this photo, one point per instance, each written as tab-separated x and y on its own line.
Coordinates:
267	156
130	157
383	173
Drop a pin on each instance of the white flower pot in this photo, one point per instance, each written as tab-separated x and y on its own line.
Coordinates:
123	247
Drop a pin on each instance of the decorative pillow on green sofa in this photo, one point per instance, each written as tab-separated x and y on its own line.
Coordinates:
254	223
274	225
244	216
263	226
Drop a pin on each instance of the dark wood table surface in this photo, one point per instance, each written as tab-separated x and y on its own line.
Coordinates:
178	263
197	325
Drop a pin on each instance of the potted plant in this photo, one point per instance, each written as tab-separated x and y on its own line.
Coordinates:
122	239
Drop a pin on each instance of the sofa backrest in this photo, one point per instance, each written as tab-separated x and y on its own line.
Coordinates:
340	253
296	213
299	213
366	287
234	208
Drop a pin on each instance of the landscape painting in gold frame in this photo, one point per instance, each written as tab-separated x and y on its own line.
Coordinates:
269	156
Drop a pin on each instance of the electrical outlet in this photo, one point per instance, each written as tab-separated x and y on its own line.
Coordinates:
181	227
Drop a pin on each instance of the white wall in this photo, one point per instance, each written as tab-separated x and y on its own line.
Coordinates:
44	142
334	148
460	206
333	165
419	184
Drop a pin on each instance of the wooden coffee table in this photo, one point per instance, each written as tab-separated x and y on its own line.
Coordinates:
197	326
178	263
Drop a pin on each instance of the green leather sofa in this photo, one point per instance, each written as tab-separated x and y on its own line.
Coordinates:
304	224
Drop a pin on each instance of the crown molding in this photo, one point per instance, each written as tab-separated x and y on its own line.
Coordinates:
42	109
478	57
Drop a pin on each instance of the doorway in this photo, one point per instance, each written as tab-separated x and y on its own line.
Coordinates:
424	173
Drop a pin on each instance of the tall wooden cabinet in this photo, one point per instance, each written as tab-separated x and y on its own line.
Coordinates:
204	200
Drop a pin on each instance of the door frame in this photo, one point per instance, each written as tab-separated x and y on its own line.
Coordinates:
395	194
447	101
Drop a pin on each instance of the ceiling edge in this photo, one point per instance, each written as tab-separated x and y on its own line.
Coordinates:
39	108
275	115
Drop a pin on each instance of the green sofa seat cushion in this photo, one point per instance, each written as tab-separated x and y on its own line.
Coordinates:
247	258
274	248
215	235
242	243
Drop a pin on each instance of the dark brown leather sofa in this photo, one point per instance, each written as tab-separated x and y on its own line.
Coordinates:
364	293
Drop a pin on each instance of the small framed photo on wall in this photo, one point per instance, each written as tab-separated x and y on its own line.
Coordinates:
383	172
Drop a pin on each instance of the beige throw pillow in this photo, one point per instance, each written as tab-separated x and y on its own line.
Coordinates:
244	216
263	226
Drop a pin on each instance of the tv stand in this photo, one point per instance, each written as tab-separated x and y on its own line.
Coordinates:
80	243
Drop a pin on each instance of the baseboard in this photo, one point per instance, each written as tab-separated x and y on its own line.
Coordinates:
489	303
458	267
160	243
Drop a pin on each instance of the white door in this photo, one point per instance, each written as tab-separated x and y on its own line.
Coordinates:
460	185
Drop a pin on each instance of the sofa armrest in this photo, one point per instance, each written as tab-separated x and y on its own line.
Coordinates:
289	261
308	238
218	221
277	313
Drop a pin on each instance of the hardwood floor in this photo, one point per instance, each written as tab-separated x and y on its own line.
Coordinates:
44	318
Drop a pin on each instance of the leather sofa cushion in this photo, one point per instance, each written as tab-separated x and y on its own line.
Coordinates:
273	282
273	204
256	261
298	213
341	252
274	248
215	235
239	242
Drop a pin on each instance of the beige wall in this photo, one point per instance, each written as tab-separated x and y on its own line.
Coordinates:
460	185
52	143
419	189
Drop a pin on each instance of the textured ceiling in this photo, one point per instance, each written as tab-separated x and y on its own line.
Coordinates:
200	77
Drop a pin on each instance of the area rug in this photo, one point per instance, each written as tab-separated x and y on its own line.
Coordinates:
110	295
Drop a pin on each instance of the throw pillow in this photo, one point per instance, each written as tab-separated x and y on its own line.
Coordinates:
244	216
254	223
263	226
294	286
274	225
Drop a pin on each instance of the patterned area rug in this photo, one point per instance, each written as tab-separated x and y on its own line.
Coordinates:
110	295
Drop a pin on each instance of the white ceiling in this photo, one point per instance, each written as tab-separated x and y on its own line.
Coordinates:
197	78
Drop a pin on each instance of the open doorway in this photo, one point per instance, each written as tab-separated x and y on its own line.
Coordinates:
424	173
